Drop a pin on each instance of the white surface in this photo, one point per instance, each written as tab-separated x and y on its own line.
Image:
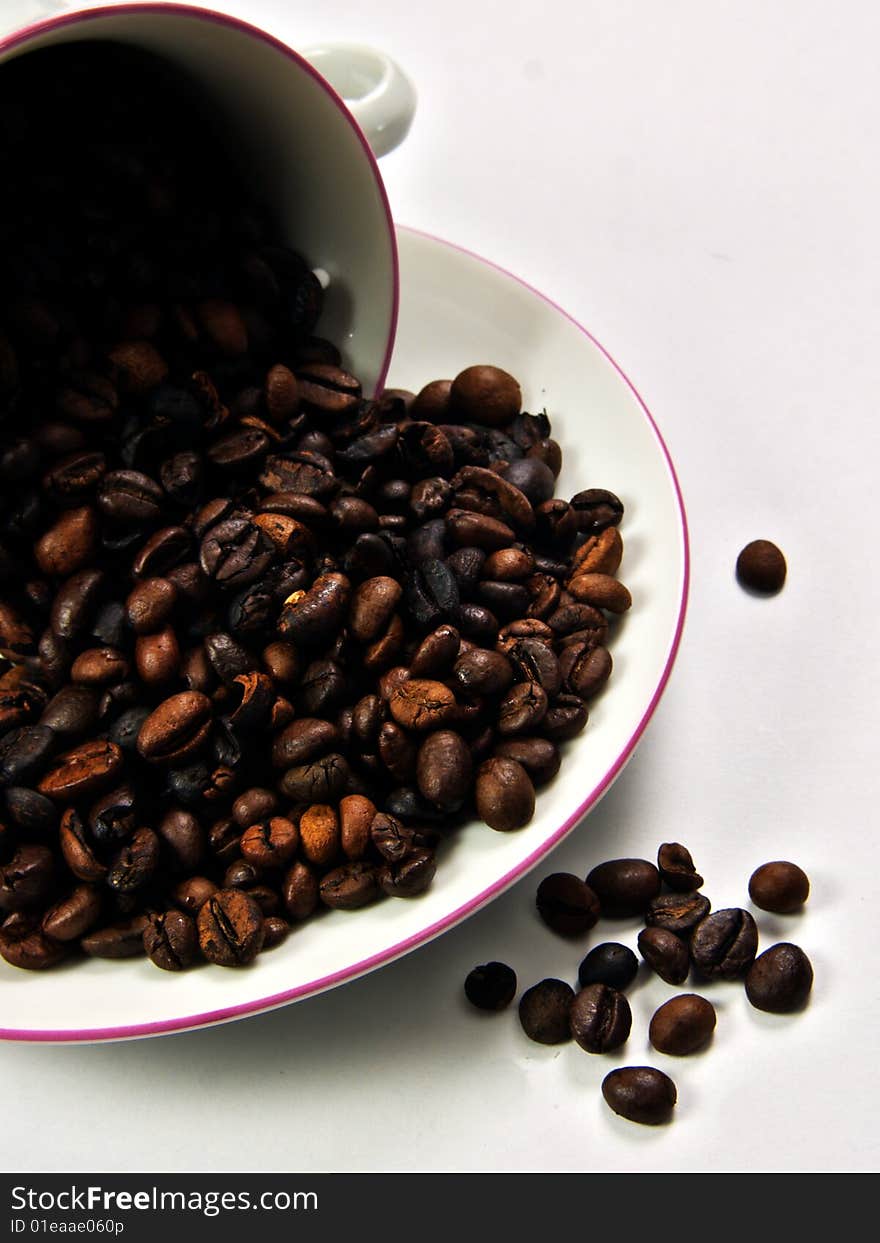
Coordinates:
449	300
697	183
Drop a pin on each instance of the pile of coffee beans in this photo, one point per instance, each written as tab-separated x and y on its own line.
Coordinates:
265	640
682	936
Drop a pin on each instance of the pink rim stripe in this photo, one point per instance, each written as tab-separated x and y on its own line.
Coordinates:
25	33
469	908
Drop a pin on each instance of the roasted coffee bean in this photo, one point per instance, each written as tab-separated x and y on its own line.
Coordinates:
349	887
491	987
112	817
682	1025
24	753
640	1094
309	616
600	554
150	604
191	893
175	730
319	834
372	605
724	944
31	810
228	658
170	940
84	771
485	395
69	545
677	869
624	887
601	591
303	741
533	478
275	931
356	815
411	876
300	892
471	530
611	964
665	953
30	948
761	567
600	1018
585	669
130	498
124	939
444	770
779	980
566	904
230	928
544	1011
478	624
538	756
324	780
392	839
780	887
596	509
565	718
184	838
679	913
27	879
135	863
421	704
504	794
533	660
522	708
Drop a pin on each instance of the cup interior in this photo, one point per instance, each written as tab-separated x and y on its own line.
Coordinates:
295	142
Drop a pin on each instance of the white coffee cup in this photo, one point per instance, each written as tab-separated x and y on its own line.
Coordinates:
309	153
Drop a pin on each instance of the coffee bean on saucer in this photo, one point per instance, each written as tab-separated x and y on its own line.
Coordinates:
640	1094
780	979
780	887
491	987
761	567
610	963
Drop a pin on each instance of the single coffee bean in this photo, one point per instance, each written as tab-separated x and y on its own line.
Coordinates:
677	869
175	730
491	987
544	1011
230	928
522	709
300	892
600	1018
32	950
135	863
504	794
565	718
319	834
349	887
270	843
761	567
665	953
678	913
356	813
779	980
566	904
611	964
597	509
682	1025
421	704
780	887
411	876
170	940
302	741
485	395
84	771
28	879
124	939
640	1094
601	553
444	770
539	757
724	944
324	780
624	887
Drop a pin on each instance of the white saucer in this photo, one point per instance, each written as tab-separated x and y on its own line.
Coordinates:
456	309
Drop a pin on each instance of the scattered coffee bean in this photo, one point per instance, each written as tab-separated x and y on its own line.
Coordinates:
544	1011
780	979
566	904
640	1094
677	913
665	953
724	944
780	887
491	987
677	869
761	567
610	963
682	1025
600	1018
624	887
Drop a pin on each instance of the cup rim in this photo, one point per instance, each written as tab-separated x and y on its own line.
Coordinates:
24	34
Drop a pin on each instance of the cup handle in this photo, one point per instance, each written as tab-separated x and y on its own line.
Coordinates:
374	88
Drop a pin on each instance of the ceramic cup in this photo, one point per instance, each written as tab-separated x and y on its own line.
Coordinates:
296	139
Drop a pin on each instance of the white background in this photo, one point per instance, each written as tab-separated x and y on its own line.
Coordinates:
697	183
